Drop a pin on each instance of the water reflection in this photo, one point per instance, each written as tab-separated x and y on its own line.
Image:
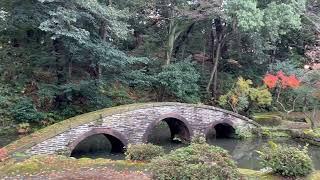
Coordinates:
7	139
244	152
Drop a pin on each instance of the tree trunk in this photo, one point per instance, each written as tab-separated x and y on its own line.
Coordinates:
215	67
59	67
218	40
171	39
184	40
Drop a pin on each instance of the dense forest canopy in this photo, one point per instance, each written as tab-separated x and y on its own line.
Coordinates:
62	58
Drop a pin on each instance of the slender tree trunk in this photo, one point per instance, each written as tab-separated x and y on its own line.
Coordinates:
59	67
171	39
184	40
218	40
215	66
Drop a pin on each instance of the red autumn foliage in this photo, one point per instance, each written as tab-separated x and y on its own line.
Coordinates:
270	80
282	80
3	154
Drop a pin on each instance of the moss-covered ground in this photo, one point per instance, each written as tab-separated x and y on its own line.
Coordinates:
55	166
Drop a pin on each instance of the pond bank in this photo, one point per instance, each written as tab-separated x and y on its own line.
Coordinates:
60	167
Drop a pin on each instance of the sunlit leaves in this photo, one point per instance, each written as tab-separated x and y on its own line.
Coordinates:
246	13
281	18
243	94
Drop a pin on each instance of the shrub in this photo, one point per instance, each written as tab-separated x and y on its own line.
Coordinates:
243	97
180	80
23	128
286	161
25	112
197	161
143	152
3	154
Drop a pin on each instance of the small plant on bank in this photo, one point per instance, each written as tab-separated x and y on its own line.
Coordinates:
63	152
197	161
143	152
198	138
23	128
3	154
286	161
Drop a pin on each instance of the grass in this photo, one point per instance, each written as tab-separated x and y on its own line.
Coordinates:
39	164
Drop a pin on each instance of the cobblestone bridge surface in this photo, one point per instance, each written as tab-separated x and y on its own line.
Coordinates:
134	125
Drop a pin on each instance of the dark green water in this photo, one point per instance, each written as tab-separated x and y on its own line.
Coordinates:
7	139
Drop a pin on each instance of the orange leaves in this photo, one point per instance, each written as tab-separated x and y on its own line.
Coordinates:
270	80
3	154
282	80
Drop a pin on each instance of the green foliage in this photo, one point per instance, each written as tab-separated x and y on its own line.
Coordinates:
242	96
286	161
197	161
243	133
281	18
287	67
249	17
180	80
86	55
198	139
25	111
143	152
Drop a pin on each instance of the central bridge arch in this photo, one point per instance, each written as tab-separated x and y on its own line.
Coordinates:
177	124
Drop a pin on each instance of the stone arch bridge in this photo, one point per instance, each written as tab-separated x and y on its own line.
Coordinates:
132	124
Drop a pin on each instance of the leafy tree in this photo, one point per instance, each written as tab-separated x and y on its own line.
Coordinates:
282	82
243	97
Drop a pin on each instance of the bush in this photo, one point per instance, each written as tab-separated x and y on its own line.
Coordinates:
286	161
143	152
181	81
25	112
197	161
243	97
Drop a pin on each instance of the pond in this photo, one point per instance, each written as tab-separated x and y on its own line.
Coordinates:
242	151
7	139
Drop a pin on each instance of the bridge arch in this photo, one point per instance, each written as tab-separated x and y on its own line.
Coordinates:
221	129
117	140
178	125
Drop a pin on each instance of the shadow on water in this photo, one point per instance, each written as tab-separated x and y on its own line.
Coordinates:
242	151
7	139
99	146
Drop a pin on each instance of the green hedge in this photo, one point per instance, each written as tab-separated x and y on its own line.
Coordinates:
197	161
143	152
285	160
